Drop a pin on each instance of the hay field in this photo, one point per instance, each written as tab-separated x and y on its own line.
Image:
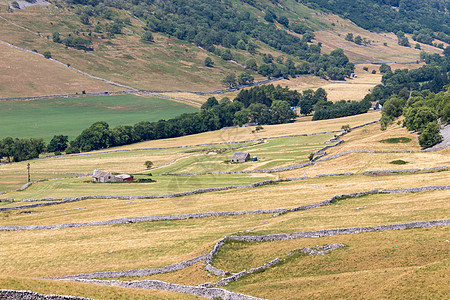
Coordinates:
70	116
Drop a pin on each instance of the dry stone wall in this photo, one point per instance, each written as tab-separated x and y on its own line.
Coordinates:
29	295
208	293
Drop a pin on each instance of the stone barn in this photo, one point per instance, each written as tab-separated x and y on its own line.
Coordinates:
240	157
103	176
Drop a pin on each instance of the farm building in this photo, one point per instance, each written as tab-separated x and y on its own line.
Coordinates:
240	157
103	176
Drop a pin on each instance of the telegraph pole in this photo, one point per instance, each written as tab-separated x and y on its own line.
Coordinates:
28	167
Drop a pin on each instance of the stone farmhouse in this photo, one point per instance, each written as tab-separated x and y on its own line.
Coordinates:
104	176
240	157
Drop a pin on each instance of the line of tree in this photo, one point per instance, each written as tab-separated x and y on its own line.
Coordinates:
21	149
341	109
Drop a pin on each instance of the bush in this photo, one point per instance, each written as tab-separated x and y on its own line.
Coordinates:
398	162
47	54
147	36
209	62
148	164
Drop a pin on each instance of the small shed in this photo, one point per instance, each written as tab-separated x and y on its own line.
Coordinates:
103	176
240	157
124	177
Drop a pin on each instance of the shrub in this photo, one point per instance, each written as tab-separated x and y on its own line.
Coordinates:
398	162
47	54
148	164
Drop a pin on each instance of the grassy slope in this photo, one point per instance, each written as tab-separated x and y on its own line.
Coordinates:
69	116
169	63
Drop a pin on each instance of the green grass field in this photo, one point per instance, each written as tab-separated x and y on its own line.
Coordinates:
69	116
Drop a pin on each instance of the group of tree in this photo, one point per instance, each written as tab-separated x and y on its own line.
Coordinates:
21	149
72	41
408	16
420	95
357	39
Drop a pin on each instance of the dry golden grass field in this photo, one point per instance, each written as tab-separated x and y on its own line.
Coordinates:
26	74
392	264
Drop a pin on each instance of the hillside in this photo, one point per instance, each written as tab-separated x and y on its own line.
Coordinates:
173	61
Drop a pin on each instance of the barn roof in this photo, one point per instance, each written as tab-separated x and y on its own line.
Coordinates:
240	155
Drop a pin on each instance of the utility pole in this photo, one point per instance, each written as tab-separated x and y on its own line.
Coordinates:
28	167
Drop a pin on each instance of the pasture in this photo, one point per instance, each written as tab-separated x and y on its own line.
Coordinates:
69	116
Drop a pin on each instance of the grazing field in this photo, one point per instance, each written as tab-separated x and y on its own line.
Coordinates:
69	116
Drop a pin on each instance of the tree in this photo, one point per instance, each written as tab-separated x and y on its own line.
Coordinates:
97	136
229	80
147	36
47	54
58	143
245	78
299	28
447	51
211	102
270	16
241	45
226	54
283	21
281	112
430	135
320	95
251	48
209	62
251	64
349	37
84	18
358	40
56	38
15	5
384	68
402	39
148	164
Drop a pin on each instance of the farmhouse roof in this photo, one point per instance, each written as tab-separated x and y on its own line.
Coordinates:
100	174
